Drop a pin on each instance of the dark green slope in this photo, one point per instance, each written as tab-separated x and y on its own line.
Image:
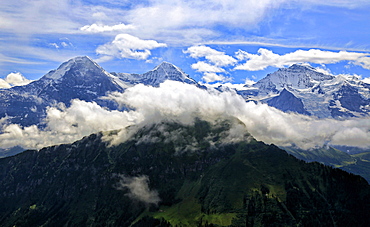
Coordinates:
357	163
200	180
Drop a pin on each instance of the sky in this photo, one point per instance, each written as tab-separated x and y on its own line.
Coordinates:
227	41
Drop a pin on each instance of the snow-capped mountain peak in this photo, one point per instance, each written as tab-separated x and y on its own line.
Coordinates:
168	68
165	71
297	76
162	72
79	66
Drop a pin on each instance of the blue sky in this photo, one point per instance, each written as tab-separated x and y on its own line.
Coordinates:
218	40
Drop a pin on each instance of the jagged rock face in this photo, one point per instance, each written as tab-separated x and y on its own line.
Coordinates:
214	183
322	95
287	102
164	71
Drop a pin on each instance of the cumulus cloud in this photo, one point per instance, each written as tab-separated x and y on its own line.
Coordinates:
138	189
14	79
215	61
265	58
215	57
100	28
179	102
364	62
202	66
366	80
128	46
4	84
210	77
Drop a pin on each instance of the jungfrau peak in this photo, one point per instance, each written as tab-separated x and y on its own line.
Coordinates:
295	77
323	95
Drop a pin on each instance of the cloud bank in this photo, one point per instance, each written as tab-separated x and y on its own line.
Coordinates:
65	125
182	103
265	58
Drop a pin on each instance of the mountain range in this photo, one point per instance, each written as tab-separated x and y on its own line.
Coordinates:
152	179
299	88
79	78
305	90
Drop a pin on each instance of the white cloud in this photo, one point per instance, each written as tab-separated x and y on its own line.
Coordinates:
210	77
4	84
213	56
138	188
167	14
14	79
202	66
100	28
65	125
363	62
202	51
215	61
128	46
40	17
353	135
249	81
266	58
54	45
366	80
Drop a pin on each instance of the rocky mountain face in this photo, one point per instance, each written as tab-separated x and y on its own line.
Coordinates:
79	78
164	71
322	95
287	102
299	88
156	180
